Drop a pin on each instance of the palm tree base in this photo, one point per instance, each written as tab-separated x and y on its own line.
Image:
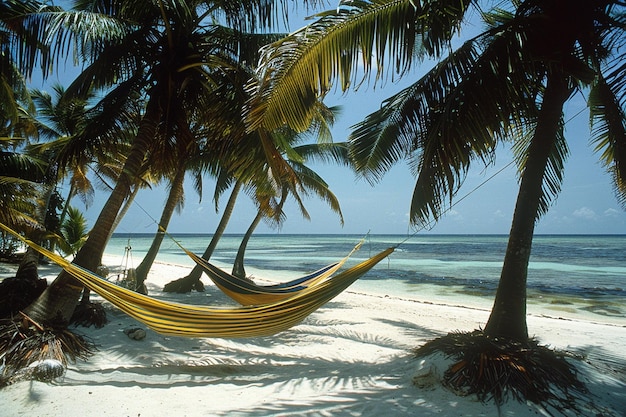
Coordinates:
18	293
88	313
184	285
31	351
497	368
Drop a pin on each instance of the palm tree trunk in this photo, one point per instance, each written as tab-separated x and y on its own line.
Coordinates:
28	266
127	205
508	315
192	280
66	206
238	266
85	299
58	301
174	197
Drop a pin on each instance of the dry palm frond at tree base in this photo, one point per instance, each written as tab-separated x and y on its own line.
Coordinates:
496	368
31	351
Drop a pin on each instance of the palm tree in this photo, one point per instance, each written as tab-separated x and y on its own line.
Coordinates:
19	171
508	84
20	174
239	50
15	69
310	181
160	50
74	231
58	117
525	107
192	280
174	201
263	186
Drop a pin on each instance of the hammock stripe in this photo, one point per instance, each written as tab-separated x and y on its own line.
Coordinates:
202	321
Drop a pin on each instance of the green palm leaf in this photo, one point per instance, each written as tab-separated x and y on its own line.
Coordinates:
608	122
348	44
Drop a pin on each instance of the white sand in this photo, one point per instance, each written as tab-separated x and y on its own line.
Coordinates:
350	358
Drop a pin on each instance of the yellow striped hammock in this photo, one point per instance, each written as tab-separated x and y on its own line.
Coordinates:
178	319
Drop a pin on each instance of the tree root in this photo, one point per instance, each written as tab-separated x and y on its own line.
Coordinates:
184	285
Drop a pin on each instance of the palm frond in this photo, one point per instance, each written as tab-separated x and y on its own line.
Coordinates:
335	153
254	15
25	32
608	123
312	183
376	143
496	369
554	170
348	44
74	230
244	46
83	33
31	352
447	119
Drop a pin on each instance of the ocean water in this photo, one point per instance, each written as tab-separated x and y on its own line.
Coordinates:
568	275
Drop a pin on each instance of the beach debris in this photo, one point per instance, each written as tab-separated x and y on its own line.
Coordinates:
426	376
46	370
135	333
31	351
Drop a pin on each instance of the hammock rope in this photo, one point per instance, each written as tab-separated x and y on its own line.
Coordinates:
186	320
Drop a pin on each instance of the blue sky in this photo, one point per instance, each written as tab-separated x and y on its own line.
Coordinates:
586	205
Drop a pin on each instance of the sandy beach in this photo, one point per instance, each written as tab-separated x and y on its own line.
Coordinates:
350	358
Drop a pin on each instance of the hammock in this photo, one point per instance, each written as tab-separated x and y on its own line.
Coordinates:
247	293
200	321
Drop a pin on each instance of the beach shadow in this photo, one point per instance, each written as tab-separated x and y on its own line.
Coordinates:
414	330
608	363
596	360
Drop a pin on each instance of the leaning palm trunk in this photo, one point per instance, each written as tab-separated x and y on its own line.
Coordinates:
28	265
192	280
174	197
127	204
508	316
238	266
18	292
58	302
85	300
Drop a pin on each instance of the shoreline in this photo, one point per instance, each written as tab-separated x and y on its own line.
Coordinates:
350	357
571	309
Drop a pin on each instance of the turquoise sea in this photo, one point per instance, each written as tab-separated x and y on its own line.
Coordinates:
569	275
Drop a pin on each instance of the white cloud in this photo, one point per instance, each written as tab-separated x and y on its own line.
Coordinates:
585	213
611	212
